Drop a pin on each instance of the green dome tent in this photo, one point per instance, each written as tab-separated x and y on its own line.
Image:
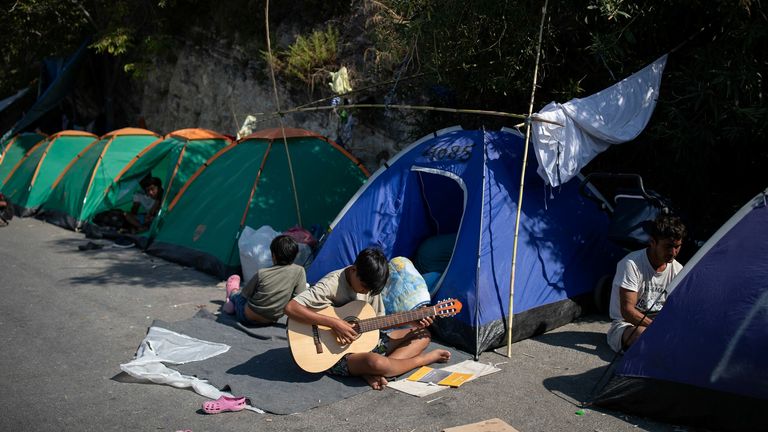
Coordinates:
172	159
29	183
81	186
14	150
252	183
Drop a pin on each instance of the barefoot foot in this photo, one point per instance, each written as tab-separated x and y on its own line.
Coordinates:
376	382
437	356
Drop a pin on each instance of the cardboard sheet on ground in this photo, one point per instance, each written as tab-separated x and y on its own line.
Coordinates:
259	366
421	389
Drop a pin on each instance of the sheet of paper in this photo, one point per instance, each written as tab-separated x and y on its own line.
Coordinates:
420	389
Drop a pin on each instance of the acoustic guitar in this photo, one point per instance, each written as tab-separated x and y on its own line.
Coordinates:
315	348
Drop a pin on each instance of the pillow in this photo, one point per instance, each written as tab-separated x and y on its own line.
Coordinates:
405	290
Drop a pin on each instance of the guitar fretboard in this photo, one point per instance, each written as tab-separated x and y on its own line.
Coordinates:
395	319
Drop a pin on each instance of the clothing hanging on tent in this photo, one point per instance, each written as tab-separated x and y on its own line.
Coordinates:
614	115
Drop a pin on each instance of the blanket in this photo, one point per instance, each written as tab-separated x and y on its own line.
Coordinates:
259	365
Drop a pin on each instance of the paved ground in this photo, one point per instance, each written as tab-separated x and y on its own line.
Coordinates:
68	318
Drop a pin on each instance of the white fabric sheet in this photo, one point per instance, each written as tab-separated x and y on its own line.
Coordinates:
589	126
165	346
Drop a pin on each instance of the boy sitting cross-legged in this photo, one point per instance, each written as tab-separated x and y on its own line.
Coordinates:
397	352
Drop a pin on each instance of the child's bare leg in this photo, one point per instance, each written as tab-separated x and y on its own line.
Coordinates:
376	366
407	343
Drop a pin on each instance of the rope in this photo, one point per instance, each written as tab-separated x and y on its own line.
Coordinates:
308	106
282	125
422	108
522	183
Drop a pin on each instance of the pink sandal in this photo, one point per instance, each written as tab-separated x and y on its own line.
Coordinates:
224	404
233	284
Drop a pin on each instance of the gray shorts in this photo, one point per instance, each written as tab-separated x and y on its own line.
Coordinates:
615	334
341	367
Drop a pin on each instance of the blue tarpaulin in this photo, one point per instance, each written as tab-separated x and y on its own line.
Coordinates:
61	75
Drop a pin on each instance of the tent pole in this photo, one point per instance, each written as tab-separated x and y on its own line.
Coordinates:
522	183
280	118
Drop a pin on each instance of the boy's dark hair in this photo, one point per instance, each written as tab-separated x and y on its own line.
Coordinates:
666	226
148	181
284	248
154	181
372	269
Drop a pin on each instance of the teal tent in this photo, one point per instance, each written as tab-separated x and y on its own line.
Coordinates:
172	159
261	180
14	150
81	186
30	181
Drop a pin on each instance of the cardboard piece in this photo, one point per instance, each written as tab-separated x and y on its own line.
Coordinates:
491	425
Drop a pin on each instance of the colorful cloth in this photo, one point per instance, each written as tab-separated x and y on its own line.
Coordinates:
406	289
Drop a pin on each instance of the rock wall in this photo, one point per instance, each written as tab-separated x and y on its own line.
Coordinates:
216	88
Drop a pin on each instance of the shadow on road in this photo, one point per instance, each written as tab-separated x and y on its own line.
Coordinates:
127	266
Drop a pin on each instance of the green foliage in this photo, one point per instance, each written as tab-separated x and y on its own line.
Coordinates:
711	119
308	56
116	43
32	30
706	141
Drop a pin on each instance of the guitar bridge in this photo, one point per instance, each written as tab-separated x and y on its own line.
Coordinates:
316	338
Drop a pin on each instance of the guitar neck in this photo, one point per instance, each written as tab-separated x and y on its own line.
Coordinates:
395	319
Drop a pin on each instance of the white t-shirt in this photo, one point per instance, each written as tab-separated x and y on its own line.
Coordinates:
636	273
144	200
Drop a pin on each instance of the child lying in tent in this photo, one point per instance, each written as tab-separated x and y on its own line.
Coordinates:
148	200
263	299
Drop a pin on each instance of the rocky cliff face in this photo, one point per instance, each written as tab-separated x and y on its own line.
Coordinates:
216	88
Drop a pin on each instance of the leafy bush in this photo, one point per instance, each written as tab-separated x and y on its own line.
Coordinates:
308	56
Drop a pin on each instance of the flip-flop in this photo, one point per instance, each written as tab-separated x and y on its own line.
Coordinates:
90	246
224	404
233	284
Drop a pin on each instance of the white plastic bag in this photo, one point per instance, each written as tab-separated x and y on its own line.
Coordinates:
254	250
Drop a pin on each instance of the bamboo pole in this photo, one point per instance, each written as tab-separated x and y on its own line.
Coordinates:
415	108
522	184
282	125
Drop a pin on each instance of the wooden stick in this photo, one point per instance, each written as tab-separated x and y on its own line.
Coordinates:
522	185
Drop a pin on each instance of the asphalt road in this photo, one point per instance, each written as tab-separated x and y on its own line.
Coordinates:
69	318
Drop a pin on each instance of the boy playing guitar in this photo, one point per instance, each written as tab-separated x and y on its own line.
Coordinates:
396	353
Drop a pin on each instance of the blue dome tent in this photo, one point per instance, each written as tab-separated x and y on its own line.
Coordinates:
463	185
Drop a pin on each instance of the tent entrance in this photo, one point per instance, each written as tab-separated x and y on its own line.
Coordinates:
432	211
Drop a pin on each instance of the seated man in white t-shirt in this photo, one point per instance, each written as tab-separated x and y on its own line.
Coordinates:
639	287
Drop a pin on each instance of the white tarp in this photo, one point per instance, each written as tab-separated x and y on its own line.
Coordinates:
612	116
164	346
